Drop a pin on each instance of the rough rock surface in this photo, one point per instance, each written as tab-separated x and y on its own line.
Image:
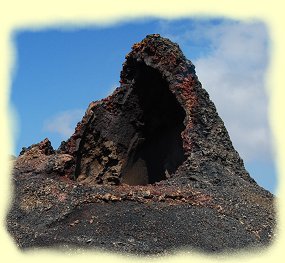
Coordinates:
150	169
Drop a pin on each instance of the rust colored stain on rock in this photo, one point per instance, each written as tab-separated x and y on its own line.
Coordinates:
149	169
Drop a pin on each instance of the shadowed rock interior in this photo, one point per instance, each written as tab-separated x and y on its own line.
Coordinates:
157	151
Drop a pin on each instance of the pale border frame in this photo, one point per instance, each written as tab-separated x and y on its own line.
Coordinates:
36	15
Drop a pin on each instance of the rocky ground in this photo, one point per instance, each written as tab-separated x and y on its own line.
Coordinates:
150	169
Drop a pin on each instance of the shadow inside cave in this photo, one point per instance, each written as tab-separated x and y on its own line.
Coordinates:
157	149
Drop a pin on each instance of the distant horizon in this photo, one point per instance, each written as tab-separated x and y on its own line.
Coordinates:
59	72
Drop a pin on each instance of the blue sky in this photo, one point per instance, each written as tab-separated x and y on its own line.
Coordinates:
61	70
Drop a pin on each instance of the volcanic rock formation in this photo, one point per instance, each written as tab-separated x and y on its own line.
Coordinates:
150	169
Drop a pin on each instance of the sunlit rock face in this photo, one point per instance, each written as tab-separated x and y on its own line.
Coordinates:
149	169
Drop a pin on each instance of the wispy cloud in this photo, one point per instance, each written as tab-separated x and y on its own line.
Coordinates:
233	71
63	123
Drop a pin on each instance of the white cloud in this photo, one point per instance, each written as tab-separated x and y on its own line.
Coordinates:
233	72
63	123
234	76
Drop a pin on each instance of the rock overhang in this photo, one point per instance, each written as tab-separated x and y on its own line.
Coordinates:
159	119
153	99
101	173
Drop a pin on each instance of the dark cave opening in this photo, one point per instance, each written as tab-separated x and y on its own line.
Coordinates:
157	149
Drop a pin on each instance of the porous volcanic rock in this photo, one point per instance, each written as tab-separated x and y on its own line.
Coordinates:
150	169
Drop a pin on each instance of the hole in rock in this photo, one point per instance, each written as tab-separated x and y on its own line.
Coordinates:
156	149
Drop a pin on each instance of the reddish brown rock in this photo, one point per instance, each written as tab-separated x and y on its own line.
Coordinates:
150	169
